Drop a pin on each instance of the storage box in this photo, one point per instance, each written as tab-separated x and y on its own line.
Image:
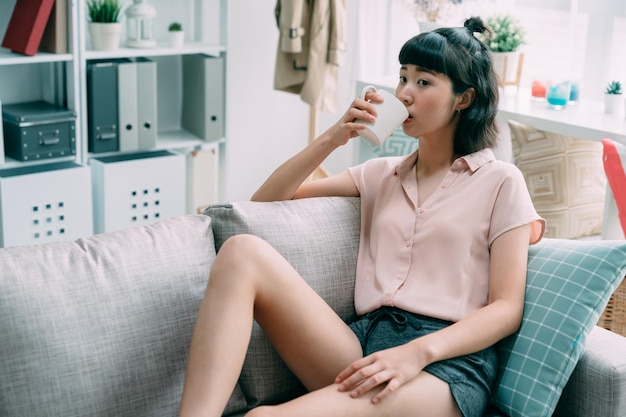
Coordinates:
45	203
38	130
202	178
135	189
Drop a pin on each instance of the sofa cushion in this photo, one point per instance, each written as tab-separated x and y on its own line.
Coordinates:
101	326
568	286
600	374
320	238
565	179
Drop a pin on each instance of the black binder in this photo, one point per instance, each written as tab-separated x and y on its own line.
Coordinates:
102	106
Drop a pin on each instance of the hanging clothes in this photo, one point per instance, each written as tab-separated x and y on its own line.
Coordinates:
311	49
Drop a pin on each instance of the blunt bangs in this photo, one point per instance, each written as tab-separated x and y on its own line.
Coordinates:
426	51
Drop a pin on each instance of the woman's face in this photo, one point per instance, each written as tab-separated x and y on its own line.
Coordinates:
429	99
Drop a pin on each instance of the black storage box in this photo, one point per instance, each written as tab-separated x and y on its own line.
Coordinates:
38	130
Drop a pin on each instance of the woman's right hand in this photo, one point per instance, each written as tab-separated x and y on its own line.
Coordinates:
347	127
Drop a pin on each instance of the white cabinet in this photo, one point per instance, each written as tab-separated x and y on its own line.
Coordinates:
62	79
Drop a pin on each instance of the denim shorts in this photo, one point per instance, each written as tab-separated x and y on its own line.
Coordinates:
470	377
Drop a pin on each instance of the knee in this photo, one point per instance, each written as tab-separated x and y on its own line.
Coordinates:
261	411
239	247
241	253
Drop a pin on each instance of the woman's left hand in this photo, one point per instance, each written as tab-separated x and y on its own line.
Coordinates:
392	367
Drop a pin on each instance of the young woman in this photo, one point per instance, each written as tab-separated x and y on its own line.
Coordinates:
441	266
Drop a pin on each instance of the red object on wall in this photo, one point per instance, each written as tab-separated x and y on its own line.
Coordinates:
26	26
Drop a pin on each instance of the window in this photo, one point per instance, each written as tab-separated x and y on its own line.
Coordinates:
579	39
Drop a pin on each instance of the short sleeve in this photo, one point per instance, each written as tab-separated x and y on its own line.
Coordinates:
514	208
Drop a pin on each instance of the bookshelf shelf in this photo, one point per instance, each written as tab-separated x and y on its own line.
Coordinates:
11	58
175	139
161	50
62	79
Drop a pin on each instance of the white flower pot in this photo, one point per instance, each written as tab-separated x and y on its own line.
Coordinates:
614	104
177	38
105	36
506	66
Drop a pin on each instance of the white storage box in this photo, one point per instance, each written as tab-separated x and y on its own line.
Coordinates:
136	189
202	178
45	203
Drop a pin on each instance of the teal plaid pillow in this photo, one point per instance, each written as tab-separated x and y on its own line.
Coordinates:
569	284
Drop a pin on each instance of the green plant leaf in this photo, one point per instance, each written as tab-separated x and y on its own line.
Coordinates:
104	11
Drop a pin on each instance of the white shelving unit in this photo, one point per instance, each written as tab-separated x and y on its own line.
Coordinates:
62	79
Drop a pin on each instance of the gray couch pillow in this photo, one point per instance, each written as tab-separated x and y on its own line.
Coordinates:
101	326
320	238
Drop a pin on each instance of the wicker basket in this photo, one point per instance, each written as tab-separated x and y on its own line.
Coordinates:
614	316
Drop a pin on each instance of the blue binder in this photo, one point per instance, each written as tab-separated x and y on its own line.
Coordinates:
102	107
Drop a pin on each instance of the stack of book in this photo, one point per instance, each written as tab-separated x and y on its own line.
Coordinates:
37	25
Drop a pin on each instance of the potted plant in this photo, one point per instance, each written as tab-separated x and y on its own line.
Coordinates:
428	13
176	34
613	98
506	38
104	24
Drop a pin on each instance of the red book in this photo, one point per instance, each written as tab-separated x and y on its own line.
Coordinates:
26	26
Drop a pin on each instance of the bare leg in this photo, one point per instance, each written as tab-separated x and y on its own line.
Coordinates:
249	279
424	396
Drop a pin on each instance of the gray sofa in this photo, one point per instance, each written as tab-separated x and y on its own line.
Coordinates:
101	326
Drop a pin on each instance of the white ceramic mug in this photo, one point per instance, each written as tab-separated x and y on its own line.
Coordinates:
391	114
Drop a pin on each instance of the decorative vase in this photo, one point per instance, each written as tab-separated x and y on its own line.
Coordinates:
507	66
177	38
105	36
614	104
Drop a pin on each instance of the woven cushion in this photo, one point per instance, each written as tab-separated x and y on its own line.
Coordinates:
614	157
101	326
320	238
568	286
565	179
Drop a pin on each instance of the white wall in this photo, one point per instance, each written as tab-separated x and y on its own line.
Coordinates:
265	127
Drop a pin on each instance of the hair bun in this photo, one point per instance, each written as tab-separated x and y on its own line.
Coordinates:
475	24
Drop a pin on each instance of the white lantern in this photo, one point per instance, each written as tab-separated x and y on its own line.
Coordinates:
139	25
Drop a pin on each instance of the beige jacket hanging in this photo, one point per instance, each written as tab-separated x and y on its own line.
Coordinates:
311	48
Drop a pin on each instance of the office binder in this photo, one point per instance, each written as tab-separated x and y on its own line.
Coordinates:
127	105
146	103
102	102
26	27
203	96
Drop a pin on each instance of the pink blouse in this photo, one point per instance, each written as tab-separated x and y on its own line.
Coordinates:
434	259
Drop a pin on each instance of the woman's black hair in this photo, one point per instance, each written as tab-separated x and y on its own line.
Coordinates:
458	54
